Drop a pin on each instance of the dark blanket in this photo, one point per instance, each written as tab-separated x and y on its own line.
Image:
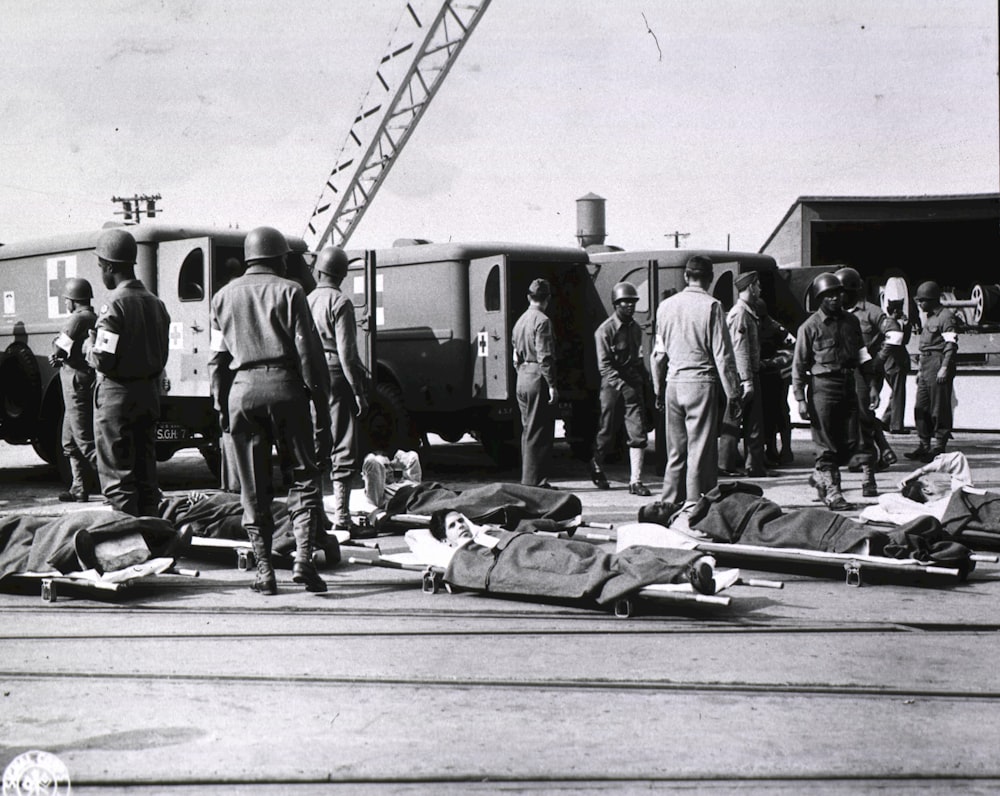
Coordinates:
219	515
738	513
66	543
974	519
538	566
493	504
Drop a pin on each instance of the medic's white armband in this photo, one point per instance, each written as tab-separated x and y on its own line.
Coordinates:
65	342
864	356
894	338
217	342
950	337
107	342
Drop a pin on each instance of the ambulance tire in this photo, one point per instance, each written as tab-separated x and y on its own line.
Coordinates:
20	393
48	443
501	439
212	454
387	425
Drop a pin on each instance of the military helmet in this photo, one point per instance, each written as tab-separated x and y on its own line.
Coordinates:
264	243
117	246
850	279
332	260
624	291
78	290
824	283
929	290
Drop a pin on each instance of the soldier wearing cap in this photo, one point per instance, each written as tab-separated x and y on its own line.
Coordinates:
129	349
693	365
829	349
932	413
623	379
266	369
77	379
333	314
744	331
534	353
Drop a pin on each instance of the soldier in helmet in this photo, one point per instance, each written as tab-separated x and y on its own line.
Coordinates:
882	336
829	349
534	352
333	314
743	323
693	367
129	351
266	368
932	412
77	379
623	380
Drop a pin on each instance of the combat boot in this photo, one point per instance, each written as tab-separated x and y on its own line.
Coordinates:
820	481
597	475
303	567
919	453
869	488
265	582
835	500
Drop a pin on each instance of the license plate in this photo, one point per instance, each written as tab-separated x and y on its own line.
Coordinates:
169	432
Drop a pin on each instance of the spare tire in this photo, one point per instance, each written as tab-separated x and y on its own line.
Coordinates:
21	398
387	426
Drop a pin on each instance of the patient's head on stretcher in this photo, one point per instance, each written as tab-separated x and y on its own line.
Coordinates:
452	527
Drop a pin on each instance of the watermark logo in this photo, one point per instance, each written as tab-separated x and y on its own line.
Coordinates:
36	773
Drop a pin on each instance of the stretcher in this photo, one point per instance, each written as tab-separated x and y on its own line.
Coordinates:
94	584
203	546
855	566
430	558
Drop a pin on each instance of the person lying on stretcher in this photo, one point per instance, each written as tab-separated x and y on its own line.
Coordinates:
566	568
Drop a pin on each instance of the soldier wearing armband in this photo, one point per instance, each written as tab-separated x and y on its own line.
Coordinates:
932	413
77	379
129	350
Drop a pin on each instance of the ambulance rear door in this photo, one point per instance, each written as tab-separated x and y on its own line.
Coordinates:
183	267
489	328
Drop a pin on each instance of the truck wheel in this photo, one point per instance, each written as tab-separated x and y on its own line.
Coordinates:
212	454
48	443
22	392
501	441
387	425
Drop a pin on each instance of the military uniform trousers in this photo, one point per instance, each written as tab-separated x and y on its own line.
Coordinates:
268	406
932	411
873	439
895	374
833	414
628	400
537	423
78	427
125	415
692	419
749	428
343	458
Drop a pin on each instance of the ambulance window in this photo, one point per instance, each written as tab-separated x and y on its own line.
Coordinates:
491	295
191	281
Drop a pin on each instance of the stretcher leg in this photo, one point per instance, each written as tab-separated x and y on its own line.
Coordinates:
624	608
245	559
853	569
49	591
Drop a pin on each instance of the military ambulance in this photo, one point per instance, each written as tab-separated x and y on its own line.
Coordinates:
184	266
442	358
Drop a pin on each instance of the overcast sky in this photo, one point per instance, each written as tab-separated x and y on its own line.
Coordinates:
235	113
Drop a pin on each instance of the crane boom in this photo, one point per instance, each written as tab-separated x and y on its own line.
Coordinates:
354	180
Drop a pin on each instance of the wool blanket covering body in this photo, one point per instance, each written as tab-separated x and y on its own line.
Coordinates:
530	565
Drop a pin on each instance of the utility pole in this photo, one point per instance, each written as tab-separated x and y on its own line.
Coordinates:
677	237
132	207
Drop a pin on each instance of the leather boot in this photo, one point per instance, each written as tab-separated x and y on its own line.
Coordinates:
919	454
303	568
868	486
820	481
835	500
264	583
342	507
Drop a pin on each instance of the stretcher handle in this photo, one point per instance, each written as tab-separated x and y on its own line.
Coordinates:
190	573
606	526
416	519
986	559
760	584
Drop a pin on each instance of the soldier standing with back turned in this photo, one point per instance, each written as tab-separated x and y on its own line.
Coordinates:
534	353
266	367
77	379
333	314
129	350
